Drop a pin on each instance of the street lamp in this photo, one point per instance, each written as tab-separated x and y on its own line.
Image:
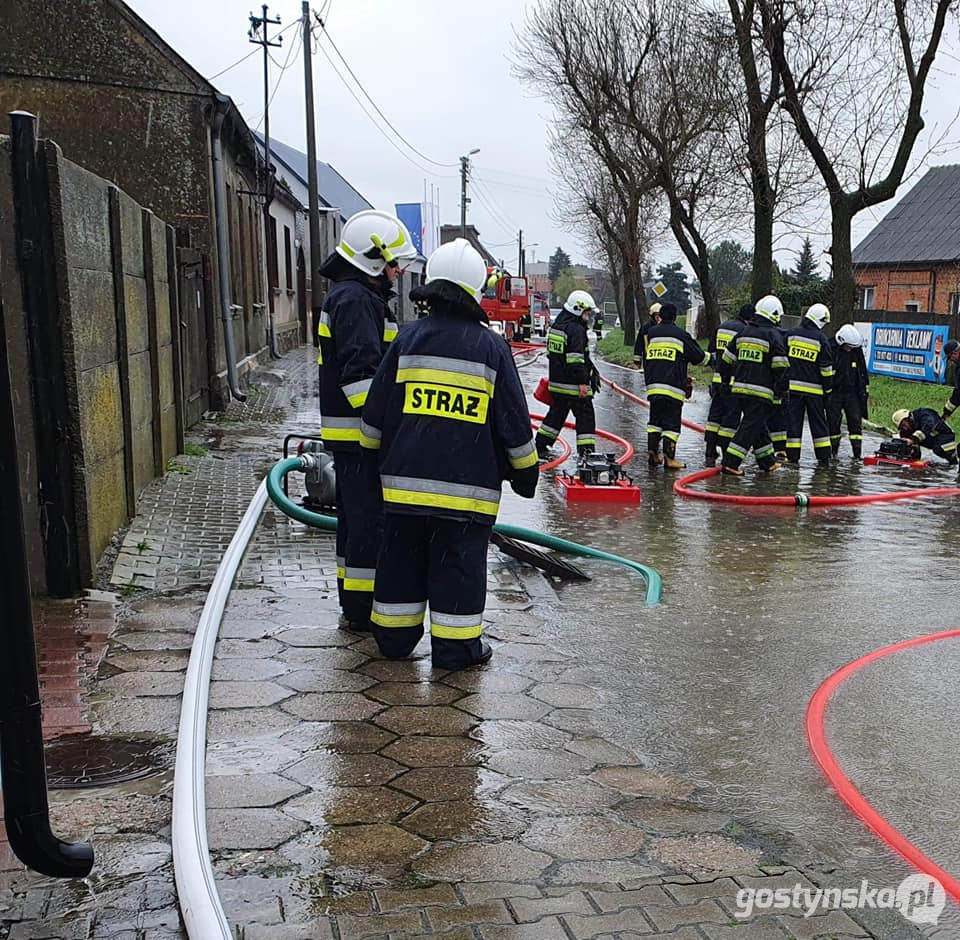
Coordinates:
464	170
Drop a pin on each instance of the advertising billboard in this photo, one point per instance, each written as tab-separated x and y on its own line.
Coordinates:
908	351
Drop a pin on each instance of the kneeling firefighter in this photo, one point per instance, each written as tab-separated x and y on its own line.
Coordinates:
925	427
573	377
670	350
355	329
446	422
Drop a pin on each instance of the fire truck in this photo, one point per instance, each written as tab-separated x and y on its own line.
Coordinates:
507	303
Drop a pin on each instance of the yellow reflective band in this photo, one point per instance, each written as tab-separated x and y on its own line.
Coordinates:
371	443
440	501
323	329
341	572
521	463
347	250
319	357
340	434
455	633
439	401
358	584
443	377
389	335
396	620
358	400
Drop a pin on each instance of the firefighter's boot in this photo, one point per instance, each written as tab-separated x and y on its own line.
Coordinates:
670	456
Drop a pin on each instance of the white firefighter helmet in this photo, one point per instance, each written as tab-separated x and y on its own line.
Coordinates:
580	302
849	335
372	239
769	308
654	309
899	416
819	314
461	264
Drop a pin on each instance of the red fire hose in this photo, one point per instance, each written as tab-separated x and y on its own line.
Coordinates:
623	459
642	401
855	800
682	487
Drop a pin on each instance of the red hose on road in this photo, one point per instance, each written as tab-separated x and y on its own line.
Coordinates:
623	459
855	800
682	488
699	428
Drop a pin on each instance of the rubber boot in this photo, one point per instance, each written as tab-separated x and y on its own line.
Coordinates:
670	456
459	654
710	455
856	450
732	471
654	458
357	626
772	468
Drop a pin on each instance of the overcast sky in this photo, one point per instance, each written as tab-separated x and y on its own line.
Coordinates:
440	70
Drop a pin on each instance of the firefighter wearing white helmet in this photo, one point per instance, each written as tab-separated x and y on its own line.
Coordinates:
851	389
445	423
572	376
754	364
811	382
640	346
355	327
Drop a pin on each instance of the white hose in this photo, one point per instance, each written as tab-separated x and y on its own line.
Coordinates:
200	903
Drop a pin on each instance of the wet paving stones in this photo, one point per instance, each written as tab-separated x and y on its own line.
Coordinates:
561	797
326	680
344	805
584	837
534	764
435	751
332	706
235	694
342	737
345	770
467	820
414	693
251	828
482	861
249	790
432	720
639	781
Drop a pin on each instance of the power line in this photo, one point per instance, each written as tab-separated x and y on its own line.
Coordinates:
373	121
293	50
376	107
247	56
480	189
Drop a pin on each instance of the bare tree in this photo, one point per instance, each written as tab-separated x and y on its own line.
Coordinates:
649	86
853	86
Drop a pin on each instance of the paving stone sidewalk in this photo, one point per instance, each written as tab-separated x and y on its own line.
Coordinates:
350	797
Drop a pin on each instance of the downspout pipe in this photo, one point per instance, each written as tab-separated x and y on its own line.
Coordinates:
22	768
222	105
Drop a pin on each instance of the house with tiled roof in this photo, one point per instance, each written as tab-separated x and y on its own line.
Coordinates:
910	261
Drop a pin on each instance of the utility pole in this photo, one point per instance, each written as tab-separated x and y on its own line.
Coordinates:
262	39
314	207
520	255
464	200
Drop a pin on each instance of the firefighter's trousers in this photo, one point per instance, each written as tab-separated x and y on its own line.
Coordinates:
722	422
583	414
752	433
777	424
664	423
359	530
437	561
813	407
845	404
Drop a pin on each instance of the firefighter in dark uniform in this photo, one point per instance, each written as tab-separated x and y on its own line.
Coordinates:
927	429
355	328
670	350
640	346
952	352
851	389
755	363
811	382
724	415
446	422
573	377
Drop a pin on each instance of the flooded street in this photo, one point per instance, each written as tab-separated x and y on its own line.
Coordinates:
760	606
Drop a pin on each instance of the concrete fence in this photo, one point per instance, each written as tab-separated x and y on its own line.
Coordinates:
89	295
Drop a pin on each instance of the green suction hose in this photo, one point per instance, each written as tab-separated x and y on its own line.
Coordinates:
329	523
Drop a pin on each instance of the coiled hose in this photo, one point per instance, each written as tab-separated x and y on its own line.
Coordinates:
329	523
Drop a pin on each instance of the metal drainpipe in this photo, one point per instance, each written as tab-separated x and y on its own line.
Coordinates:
22	767
223	256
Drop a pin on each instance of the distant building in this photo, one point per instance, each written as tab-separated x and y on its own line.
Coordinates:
910	261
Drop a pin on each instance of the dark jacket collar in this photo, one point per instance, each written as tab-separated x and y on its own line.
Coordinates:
447	299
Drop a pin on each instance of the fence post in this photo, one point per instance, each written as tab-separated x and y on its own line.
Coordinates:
45	341
179	401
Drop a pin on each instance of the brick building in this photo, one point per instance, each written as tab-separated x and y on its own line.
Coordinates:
910	262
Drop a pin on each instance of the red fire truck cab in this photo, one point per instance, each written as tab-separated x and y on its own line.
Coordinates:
507	303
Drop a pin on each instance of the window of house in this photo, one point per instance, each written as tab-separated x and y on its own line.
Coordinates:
867	300
288	256
954	304
912	306
273	275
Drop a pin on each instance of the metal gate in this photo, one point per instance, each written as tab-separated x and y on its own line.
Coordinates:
194	333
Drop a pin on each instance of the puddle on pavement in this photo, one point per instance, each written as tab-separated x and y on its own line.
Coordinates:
84	761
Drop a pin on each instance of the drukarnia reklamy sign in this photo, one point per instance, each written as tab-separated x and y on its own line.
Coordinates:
908	351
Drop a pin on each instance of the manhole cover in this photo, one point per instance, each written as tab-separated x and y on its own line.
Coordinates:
77	761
